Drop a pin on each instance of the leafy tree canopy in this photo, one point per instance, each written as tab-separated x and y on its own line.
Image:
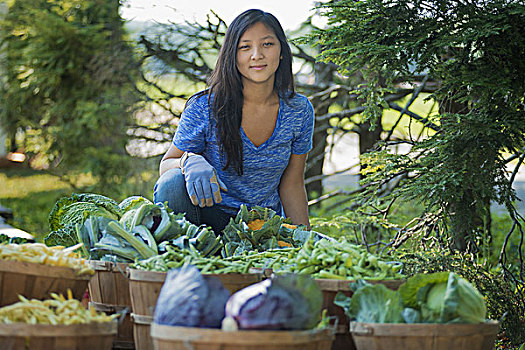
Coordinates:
67	90
474	50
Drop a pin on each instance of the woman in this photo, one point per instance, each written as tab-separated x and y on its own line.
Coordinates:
245	139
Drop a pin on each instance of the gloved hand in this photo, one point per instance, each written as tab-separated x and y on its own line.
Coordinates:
202	183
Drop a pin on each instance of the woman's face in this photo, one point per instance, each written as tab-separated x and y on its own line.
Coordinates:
258	55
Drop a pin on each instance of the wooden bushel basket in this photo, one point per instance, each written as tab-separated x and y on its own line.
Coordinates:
144	287
430	336
38	281
186	338
141	331
21	336
330	288
109	293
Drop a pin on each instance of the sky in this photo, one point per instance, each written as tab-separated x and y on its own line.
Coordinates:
289	12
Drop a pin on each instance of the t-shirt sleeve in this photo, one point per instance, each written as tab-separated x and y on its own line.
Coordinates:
303	142
191	132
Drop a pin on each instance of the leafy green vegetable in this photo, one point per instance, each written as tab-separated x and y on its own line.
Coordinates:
115	246
141	215
444	297
463	302
238	237
69	212
410	289
372	303
115	229
441	297
61	209
133	202
162	230
145	235
65	236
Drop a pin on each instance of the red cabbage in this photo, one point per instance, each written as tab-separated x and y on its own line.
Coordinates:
281	303
189	299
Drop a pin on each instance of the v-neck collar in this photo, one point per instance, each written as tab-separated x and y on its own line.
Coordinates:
246	139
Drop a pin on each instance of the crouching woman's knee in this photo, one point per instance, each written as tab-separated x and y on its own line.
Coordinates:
170	187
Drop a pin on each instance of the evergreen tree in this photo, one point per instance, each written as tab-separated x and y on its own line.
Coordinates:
474	50
67	89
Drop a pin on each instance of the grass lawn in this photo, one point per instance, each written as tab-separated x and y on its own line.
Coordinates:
31	194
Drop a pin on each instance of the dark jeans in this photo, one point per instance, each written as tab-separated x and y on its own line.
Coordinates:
171	188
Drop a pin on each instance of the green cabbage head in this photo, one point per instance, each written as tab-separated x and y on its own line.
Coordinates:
444	297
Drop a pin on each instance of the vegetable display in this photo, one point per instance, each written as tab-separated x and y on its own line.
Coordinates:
55	311
134	229
41	254
323	259
176	257
372	303
189	299
260	229
338	260
441	297
137	230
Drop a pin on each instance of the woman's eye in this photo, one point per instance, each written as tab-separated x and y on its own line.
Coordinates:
244	47
268	44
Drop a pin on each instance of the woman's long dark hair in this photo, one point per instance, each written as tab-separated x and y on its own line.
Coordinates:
225	83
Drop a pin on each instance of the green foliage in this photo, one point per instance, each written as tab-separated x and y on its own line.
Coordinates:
12	240
474	51
32	195
68	87
454	41
365	224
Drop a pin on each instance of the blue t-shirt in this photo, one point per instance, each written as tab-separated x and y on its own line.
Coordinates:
263	165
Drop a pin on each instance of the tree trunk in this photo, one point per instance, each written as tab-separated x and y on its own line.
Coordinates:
323	79
316	156
368	138
467	221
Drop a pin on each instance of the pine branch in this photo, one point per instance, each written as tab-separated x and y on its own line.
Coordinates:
515	172
324	176
415	116
409	103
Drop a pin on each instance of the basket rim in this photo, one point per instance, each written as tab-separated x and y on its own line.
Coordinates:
490	327
246	337
160	276
41	270
47	330
335	285
109	266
